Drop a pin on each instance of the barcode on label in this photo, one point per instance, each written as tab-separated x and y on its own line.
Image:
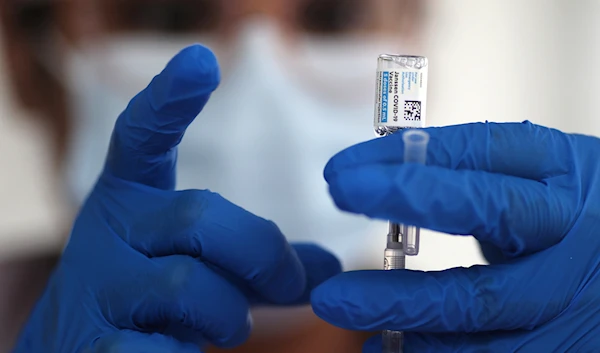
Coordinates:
412	110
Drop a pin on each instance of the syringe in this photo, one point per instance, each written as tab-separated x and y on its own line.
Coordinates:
403	239
400	103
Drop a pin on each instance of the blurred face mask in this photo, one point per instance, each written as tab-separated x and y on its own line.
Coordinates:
264	137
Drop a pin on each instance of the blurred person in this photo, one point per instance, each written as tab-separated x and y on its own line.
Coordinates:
297	76
129	278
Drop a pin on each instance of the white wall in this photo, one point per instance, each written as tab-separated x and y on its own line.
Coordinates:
580	54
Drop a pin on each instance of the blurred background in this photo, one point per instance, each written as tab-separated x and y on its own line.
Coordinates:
496	60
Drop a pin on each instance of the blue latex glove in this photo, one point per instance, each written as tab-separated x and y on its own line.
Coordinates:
149	269
530	192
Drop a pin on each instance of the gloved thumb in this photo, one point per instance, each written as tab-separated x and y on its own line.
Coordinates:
136	342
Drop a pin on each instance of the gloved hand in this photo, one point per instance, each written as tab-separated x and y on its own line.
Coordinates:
149	269
530	192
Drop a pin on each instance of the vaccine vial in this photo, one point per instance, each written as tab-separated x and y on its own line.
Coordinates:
401	93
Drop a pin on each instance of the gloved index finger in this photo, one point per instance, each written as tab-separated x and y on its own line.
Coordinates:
144	140
523	150
517	215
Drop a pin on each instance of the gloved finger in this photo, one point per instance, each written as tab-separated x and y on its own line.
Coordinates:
519	216
205	225
319	265
494	342
182	296
476	299
524	150
555	335
127	341
142	147
415	342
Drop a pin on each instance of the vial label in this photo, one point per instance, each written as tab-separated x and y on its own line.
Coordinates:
401	98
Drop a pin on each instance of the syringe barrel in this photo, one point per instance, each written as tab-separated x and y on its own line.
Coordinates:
394	259
393	341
